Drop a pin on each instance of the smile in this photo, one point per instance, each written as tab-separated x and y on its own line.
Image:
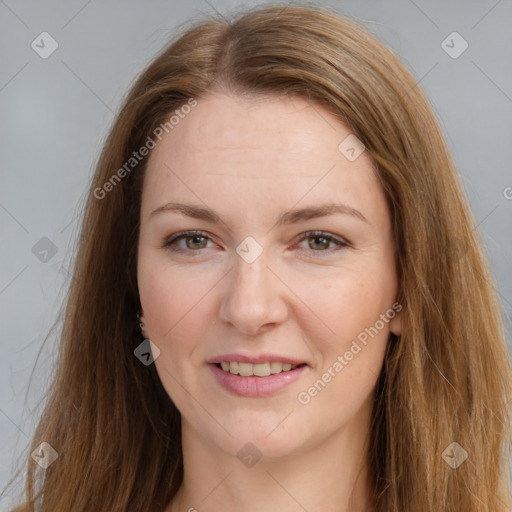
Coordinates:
258	370
242	379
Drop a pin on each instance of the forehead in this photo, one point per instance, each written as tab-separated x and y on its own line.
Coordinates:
255	152
255	125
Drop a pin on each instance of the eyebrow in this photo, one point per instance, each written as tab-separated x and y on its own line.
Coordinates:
285	218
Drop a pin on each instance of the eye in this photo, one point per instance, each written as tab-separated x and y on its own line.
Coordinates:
193	240
318	242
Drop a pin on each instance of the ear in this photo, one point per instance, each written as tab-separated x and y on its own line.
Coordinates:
142	324
395	324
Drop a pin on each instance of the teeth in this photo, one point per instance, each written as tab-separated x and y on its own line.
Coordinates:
259	370
245	369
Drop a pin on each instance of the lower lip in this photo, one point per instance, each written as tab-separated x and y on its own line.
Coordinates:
256	386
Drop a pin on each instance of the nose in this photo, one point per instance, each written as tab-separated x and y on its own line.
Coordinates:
254	297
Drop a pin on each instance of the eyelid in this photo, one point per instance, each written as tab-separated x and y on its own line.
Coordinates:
324	234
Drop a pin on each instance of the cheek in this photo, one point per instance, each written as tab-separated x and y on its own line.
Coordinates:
175	305
343	305
350	360
352	352
352	356
172	299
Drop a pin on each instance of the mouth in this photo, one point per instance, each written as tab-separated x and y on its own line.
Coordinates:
256	380
257	370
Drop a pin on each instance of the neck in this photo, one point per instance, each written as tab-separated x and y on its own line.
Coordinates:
331	476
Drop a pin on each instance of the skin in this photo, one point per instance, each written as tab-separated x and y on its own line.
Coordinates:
250	159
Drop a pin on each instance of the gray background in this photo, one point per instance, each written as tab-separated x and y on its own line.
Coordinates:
55	112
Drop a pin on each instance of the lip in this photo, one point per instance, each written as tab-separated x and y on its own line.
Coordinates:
261	358
256	386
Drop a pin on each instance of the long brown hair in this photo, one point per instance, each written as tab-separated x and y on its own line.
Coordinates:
446	380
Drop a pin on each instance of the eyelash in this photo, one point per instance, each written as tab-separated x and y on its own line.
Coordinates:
342	244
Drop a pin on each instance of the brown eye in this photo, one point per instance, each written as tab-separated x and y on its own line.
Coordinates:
318	243
194	240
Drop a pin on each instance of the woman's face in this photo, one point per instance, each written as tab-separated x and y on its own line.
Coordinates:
254	286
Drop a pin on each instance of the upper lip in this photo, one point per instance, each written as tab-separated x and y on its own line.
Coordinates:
262	358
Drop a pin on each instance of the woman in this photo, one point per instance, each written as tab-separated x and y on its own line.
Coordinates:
278	302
